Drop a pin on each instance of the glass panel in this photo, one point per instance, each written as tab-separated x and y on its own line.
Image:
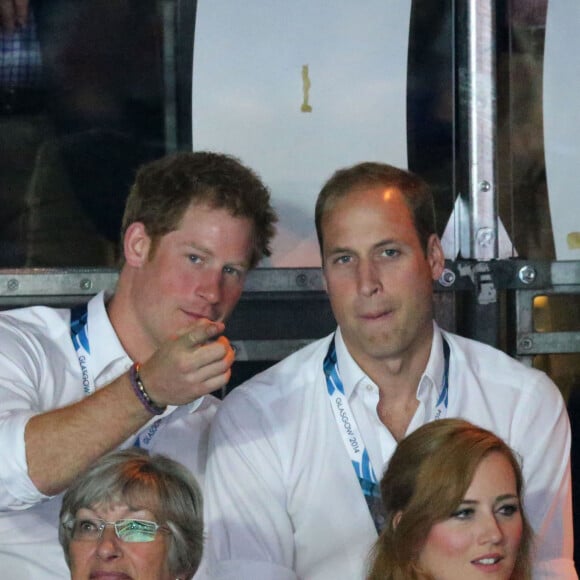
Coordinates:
538	125
297	90
72	135
523	200
430	110
562	124
564	370
557	313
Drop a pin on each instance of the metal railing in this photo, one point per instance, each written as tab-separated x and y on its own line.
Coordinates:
288	291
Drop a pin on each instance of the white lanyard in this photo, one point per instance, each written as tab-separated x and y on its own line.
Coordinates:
346	422
350	433
80	338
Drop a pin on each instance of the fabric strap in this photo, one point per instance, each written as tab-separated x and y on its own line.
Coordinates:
351	435
80	340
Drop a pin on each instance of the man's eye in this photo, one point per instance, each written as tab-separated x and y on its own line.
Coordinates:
231	271
342	260
391	252
194	258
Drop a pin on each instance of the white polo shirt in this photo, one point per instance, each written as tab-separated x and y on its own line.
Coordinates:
40	371
283	498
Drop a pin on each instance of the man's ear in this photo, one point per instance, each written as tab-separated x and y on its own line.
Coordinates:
136	245
435	256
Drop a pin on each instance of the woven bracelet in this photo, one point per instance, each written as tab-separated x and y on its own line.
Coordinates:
141	393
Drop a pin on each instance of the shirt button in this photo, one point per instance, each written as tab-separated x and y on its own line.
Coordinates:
370	387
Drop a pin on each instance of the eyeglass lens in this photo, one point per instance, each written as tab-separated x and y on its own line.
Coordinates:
88	529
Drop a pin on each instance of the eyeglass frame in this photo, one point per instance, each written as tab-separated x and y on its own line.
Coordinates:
102	524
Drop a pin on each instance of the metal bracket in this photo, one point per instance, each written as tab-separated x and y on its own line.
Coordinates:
452	241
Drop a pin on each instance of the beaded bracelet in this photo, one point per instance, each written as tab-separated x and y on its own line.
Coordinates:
141	393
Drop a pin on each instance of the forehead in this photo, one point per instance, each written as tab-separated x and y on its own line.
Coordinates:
213	230
373	211
387	199
116	511
203	221
205	208
136	493
494	472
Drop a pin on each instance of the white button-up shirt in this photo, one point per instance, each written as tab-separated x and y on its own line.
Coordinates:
40	371
283	498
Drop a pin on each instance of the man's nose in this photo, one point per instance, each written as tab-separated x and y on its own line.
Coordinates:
368	278
210	286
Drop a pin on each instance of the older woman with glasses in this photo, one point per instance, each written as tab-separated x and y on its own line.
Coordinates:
133	516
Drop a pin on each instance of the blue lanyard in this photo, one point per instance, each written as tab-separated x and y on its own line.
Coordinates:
351	435
348	428
80	339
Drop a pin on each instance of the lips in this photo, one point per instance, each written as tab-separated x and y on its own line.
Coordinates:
197	315
488	561
489	564
109	575
375	315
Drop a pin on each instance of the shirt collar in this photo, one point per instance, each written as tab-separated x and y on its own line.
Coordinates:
432	377
106	348
352	375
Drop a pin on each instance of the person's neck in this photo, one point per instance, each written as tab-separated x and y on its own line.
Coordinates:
398	401
123	320
397	378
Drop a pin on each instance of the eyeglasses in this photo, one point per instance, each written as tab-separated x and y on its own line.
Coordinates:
91	529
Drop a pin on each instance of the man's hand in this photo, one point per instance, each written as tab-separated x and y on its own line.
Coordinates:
13	14
63	442
190	366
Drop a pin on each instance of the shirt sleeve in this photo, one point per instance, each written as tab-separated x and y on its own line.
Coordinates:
249	531
544	432
19	401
